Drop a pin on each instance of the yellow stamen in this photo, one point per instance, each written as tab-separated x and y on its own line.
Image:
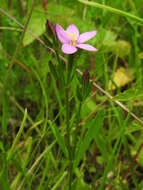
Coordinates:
72	36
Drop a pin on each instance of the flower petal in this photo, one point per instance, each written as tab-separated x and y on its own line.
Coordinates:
63	37
68	49
86	36
86	47
72	29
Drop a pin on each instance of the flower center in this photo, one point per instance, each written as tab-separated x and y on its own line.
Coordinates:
73	39
73	43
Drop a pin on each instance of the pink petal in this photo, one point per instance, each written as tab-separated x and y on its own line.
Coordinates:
72	29
86	47
68	49
63	37
86	36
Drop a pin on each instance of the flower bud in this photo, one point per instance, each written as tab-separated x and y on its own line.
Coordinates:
86	76
50	28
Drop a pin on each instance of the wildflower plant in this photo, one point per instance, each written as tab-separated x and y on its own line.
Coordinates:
71	137
71	40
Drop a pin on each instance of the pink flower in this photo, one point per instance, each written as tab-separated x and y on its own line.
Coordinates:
72	40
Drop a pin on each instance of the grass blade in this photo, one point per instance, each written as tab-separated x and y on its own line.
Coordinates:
59	139
113	10
90	135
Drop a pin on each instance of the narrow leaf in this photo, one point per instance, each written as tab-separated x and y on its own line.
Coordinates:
91	134
59	139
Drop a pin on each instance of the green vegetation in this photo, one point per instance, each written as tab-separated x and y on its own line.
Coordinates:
56	131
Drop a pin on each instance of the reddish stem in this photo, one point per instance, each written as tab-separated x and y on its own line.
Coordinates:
9	4
44	5
133	161
94	90
22	8
126	65
95	154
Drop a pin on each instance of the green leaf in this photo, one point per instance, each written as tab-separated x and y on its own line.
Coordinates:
92	133
36	25
4	115
140	55
53	70
4	183
105	37
130	95
59	139
88	107
80	184
18	165
120	47
2	147
108	36
1	51
108	42
55	14
79	93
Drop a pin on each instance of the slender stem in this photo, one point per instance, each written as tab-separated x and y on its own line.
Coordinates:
68	136
69	146
44	5
10	28
9	4
71	149
77	127
133	161
22	8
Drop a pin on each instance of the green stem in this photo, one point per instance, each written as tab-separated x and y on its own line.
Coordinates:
68	139
77	128
70	151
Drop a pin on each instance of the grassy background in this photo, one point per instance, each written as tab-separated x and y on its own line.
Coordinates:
32	111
